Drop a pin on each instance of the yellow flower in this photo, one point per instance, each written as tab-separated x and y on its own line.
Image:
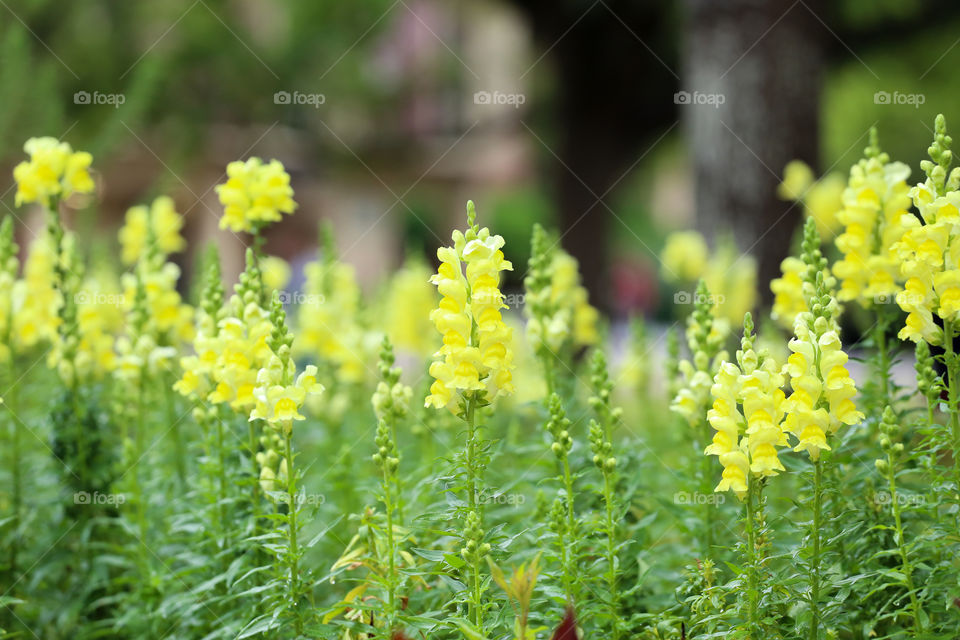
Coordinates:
241	351
684	257
797	178
822	396
409	300
54	170
746	441
929	257
276	273
254	194
874	212
567	310
161	221
477	351
823	201
329	321
35	297
788	298
278	404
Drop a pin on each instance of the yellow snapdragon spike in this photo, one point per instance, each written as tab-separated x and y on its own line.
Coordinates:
747	415
254	194
573	314
329	320
477	351
35	297
684	256
787	291
161	219
797	179
54	170
279	405
276	272
874	213
822	397
410	299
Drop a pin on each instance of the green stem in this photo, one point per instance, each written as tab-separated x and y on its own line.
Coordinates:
569	562
294	549
139	439
172	419
953	380
753	622
472	500
253	445
611	554
222	480
391	548
902	546
883	362
15	469
815	559
706	489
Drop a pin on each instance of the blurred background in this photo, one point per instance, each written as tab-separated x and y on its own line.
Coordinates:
615	122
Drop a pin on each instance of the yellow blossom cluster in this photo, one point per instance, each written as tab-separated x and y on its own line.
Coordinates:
54	170
410	299
329	320
159	223
823	391
821	199
241	350
788	300
929	251
573	316
874	211
169	316
730	276
36	299
254	194
477	352
277	400
747	413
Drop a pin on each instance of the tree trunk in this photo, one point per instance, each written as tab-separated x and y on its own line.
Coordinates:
762	61
615	63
